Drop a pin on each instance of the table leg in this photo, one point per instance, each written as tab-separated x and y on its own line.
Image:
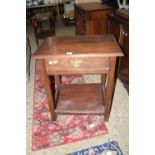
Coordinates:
103	79
57	80
58	13
109	89
50	27
40	25
35	25
46	82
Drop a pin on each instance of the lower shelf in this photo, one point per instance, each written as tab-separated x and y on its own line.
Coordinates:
80	99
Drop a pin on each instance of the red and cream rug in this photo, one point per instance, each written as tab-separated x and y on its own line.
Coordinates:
67	128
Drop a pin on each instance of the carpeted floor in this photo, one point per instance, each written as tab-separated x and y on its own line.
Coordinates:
67	128
110	148
118	122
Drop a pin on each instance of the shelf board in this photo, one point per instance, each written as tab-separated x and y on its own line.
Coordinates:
80	99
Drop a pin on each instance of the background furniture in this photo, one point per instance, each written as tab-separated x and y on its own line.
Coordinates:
91	18
57	9
38	21
79	55
119	26
68	17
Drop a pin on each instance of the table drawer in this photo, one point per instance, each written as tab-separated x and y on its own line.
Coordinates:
71	65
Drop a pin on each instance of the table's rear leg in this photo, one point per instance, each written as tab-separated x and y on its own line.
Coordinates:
57	79
103	83
103	79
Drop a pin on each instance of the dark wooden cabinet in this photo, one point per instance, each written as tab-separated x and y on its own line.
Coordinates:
124	62
119	26
91	18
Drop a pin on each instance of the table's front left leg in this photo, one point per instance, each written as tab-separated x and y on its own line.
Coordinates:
46	82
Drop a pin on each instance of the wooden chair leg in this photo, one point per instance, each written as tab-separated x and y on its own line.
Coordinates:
35	25
40	25
50	27
36	38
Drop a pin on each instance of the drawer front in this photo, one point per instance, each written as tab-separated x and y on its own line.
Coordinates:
78	65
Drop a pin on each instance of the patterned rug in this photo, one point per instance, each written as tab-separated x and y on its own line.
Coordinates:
67	128
111	148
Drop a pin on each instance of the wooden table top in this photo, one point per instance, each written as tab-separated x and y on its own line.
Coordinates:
95	45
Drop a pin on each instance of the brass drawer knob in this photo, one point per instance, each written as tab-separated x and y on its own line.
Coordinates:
76	62
53	62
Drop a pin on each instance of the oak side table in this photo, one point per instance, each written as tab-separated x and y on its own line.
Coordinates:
79	55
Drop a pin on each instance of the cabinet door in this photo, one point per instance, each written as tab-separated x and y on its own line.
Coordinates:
124	61
79	22
97	22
